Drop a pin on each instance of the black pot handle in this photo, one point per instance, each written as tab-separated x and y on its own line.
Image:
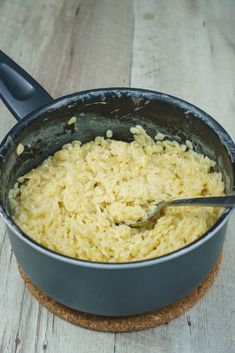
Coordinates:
18	90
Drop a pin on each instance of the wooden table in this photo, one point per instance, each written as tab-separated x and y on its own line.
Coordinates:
185	48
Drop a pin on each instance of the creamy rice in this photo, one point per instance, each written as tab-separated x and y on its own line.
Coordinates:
80	201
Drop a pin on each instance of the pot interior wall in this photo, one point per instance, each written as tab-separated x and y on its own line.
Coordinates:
97	113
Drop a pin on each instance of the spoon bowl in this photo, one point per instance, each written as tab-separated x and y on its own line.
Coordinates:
215	201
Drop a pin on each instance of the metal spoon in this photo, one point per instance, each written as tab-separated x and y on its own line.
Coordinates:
220	201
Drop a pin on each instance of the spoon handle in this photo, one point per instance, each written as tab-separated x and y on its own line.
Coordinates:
220	201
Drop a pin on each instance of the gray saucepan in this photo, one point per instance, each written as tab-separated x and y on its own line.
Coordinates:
116	289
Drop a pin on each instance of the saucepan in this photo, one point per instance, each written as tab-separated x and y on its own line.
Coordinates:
111	289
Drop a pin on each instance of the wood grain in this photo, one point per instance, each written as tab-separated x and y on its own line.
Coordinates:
185	48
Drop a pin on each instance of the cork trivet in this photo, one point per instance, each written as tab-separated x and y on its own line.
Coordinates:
124	324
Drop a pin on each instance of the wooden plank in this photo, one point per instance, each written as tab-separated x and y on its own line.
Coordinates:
67	46
186	48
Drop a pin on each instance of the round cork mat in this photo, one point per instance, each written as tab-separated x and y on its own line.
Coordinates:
124	324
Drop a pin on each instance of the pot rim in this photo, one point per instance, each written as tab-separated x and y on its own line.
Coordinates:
74	98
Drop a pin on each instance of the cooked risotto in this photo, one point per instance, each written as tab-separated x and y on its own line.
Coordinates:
80	201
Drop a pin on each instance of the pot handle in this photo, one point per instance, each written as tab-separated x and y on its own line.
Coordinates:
18	90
